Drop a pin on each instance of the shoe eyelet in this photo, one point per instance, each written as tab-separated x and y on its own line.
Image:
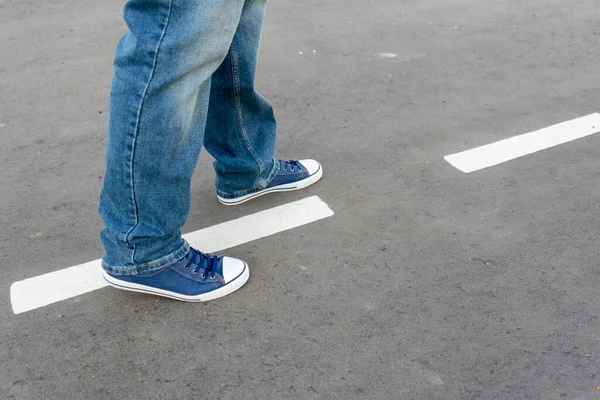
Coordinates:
212	277
202	276
292	169
194	272
185	267
285	168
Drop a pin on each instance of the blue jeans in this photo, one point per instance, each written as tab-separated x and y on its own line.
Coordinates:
184	77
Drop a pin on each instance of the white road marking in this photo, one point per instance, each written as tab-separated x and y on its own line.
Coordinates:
46	289
521	145
387	55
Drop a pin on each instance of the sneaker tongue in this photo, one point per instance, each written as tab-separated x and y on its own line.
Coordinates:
208	263
289	163
203	261
195	257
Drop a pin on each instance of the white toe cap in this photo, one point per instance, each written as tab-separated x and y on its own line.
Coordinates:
311	166
232	268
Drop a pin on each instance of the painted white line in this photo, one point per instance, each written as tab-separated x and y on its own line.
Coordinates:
528	143
40	291
387	55
259	225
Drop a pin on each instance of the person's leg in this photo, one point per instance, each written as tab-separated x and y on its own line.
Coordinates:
158	107
241	129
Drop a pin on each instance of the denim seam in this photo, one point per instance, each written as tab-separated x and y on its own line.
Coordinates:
150	266
238	109
137	127
274	170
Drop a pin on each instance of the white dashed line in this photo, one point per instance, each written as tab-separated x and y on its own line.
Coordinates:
528	143
46	289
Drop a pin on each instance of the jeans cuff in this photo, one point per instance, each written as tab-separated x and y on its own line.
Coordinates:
263	181
149	267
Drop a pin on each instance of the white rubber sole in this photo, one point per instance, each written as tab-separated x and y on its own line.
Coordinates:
229	288
288	187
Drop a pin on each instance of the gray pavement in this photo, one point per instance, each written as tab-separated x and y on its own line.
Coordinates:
428	283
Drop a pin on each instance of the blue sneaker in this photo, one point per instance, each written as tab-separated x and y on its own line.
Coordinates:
196	277
292	175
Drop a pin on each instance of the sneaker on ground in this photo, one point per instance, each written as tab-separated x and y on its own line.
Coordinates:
196	277
292	175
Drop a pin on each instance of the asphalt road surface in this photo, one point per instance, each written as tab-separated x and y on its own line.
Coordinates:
426	283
